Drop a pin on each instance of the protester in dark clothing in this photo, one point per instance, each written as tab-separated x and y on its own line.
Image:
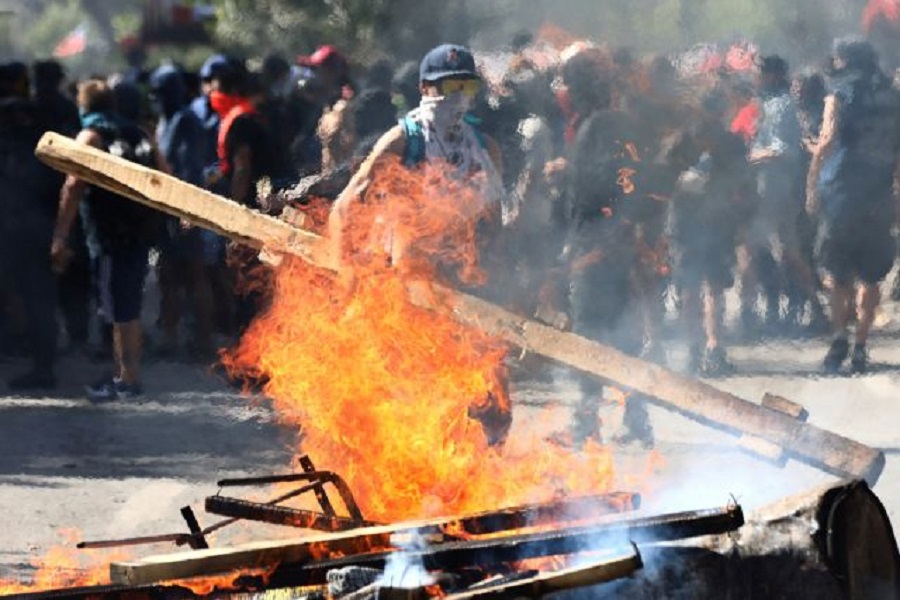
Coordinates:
57	112
245	157
28	199
654	103
215	69
709	205
776	154
244	148
849	189
119	235
600	242
285	112
181	266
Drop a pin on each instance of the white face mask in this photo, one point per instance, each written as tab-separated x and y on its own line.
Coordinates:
448	110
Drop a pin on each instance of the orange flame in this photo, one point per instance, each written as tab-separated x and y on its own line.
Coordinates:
383	390
63	566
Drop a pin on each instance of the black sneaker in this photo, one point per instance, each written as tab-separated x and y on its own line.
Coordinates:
112	389
715	363
836	356
32	380
859	360
128	391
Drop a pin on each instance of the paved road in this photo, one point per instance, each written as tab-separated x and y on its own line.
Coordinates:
125	469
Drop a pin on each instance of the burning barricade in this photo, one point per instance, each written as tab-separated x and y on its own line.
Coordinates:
384	371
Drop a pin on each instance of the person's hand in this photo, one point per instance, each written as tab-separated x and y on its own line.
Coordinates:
212	177
760	156
60	255
554	170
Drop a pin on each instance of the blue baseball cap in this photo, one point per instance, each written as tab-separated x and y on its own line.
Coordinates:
214	65
448	60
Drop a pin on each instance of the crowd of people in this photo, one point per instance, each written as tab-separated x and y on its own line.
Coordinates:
622	189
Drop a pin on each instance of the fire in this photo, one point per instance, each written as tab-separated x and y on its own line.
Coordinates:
63	566
203	586
385	392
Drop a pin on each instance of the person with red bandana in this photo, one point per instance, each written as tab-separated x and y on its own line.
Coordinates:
243	146
245	155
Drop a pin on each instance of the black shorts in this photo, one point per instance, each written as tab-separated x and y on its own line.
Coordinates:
703	254
851	252
120	276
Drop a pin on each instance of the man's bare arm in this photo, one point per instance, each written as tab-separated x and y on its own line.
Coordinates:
823	149
70	197
391	144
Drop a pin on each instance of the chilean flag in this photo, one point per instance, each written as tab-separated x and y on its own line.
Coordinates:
72	44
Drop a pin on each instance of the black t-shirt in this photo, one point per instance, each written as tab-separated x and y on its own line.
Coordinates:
250	130
112	221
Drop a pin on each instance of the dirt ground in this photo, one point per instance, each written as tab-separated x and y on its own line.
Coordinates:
124	469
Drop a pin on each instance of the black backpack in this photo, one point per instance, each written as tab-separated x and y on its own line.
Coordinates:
118	221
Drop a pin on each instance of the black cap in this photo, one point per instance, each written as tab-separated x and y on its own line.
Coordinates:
448	60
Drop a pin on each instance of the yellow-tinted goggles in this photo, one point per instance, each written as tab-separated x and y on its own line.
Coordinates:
469	87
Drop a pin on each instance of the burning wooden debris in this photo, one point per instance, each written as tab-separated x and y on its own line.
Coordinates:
827	542
576	542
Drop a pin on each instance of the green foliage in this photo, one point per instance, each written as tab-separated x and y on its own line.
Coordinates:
46	30
369	29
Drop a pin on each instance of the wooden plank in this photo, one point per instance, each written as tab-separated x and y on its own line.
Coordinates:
695	399
506	519
832	453
172	196
310	558
763	449
783	405
590	574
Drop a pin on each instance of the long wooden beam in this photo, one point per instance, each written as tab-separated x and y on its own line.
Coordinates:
307	561
805	442
542	584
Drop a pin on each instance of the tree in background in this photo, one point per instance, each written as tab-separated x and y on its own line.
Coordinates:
369	29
